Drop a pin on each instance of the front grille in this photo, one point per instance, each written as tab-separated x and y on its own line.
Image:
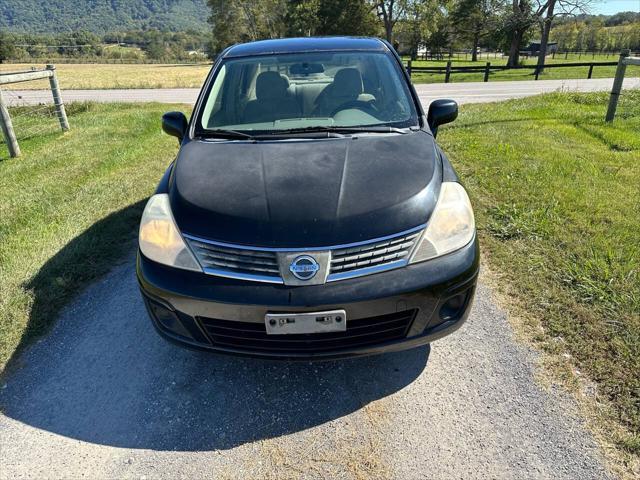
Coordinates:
360	333
234	260
261	264
372	254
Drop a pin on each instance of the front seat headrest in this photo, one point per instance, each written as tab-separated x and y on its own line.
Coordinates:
271	85
348	82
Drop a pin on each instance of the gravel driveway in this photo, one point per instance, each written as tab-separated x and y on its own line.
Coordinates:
103	396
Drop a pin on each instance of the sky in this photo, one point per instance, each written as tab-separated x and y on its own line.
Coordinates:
609	7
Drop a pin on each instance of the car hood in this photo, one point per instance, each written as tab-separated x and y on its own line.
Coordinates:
305	193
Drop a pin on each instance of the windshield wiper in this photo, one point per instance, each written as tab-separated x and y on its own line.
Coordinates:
338	129
222	133
328	129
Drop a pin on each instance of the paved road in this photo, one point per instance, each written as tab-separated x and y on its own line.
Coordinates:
104	397
473	92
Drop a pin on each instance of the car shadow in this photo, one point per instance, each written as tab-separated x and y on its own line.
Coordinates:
87	257
104	376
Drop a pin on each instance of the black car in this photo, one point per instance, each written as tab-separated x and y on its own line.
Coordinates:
309	212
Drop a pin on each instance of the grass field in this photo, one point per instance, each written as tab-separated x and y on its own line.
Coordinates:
101	76
557	198
556	194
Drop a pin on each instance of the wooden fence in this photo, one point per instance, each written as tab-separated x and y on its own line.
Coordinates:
5	119
486	55
625	59
487	68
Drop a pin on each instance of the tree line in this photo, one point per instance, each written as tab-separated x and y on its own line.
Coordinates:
101	16
599	33
132	45
413	26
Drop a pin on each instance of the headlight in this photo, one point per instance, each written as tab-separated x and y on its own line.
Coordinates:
159	237
451	227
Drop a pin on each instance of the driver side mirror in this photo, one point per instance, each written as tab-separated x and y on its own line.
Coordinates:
441	112
175	124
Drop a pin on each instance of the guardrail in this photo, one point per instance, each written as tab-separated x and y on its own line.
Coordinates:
488	68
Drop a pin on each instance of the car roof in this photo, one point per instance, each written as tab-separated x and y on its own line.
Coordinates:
305	44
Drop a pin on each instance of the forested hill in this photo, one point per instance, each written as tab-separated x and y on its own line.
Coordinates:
100	16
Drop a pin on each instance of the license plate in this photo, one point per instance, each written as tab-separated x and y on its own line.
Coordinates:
308	322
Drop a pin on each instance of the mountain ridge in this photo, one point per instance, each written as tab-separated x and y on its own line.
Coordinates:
102	16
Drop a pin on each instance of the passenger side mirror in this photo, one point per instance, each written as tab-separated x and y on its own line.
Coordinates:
175	124
441	112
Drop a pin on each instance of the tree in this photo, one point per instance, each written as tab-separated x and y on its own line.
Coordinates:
475	19
340	17
566	8
7	47
622	18
389	11
544	38
330	17
154	47
440	33
526	13
236	21
302	17
226	29
263	18
521	18
421	23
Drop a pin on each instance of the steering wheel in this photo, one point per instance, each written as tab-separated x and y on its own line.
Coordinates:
365	106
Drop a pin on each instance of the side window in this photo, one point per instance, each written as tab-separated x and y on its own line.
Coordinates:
214	102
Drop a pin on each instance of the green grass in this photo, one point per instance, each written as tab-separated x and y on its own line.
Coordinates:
69	208
557	198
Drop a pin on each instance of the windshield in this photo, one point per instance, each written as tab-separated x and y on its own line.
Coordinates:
305	91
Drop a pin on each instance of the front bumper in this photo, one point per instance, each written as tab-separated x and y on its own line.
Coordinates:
393	310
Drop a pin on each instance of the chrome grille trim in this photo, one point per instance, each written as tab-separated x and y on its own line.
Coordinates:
366	270
260	264
242	276
304	249
241	264
392	252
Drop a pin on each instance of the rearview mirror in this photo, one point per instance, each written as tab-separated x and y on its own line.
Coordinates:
441	112
175	124
306	68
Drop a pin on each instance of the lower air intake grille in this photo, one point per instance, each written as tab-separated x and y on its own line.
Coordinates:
360	333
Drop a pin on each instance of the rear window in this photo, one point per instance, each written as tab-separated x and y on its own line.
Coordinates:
279	92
